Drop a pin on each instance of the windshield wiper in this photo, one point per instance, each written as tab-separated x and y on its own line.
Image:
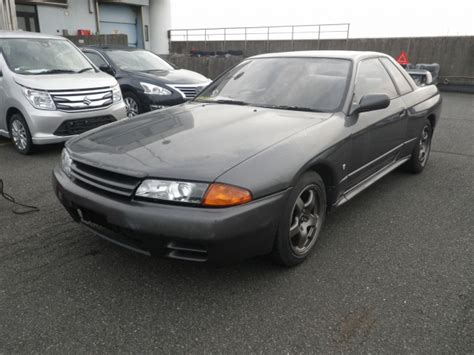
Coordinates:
291	108
56	71
84	69
225	101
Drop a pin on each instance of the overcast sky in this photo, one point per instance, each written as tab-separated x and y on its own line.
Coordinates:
368	18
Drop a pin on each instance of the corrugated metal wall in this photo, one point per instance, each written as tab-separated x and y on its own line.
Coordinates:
7	15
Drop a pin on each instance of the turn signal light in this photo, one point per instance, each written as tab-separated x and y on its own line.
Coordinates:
221	195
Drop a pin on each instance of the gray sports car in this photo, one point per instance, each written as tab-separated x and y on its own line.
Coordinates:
253	164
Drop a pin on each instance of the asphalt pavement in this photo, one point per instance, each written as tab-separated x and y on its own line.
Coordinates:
393	272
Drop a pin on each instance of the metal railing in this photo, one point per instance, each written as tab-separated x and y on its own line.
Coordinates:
261	33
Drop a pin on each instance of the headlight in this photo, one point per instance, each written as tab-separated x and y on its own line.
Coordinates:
213	195
151	89
66	162
179	191
117	93
39	99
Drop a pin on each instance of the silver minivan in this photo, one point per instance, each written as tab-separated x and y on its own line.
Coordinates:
50	92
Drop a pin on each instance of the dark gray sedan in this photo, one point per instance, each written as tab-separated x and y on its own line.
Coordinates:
254	163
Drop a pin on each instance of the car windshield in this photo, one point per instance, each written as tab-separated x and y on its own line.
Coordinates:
138	60
34	56
307	84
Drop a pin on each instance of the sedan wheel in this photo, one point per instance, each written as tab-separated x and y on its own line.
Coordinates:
303	220
424	145
421	151
132	106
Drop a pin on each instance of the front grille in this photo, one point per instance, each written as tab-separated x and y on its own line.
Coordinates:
82	100
92	177
188	91
81	125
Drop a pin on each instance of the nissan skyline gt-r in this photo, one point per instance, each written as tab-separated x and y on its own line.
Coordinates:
252	165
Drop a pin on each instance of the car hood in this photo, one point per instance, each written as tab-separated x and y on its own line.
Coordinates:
189	142
179	76
86	80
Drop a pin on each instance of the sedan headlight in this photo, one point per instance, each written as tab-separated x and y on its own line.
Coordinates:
209	195
117	93
151	89
66	162
39	99
178	191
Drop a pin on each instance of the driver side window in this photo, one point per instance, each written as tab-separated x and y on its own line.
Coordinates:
96	59
372	78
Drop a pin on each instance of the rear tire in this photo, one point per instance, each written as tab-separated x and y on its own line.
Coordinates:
302	221
20	134
421	152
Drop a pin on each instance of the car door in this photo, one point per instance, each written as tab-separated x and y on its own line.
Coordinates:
376	135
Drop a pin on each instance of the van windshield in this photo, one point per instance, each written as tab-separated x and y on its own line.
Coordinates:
32	56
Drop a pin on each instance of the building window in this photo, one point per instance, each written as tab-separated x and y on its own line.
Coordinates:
27	18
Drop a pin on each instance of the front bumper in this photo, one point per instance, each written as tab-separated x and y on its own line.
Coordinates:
181	232
44	124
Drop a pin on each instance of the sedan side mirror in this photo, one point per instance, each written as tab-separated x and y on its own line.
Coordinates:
107	69
371	103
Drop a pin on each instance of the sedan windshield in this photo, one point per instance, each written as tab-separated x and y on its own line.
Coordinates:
43	56
138	60
306	84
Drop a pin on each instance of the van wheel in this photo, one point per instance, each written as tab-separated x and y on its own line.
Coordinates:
20	134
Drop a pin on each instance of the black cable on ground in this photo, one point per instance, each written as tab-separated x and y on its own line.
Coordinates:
26	208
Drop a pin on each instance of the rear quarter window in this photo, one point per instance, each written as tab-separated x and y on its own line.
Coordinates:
397	76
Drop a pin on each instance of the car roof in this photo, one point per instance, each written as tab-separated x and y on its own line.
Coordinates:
25	34
111	48
352	55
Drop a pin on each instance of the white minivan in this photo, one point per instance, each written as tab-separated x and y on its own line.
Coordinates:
50	92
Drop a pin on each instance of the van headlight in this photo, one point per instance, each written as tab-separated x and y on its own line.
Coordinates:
66	162
177	191
117	93
39	99
151	89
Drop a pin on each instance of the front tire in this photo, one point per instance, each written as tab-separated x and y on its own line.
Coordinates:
20	134
132	103
421	152
302	221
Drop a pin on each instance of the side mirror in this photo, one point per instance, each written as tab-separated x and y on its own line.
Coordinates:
107	69
371	103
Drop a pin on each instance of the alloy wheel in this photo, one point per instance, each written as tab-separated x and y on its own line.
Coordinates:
305	220
424	145
132	106
18	131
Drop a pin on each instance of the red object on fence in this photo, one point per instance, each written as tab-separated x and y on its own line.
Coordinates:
402	58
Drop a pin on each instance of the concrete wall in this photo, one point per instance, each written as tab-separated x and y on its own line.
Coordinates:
454	54
53	19
100	40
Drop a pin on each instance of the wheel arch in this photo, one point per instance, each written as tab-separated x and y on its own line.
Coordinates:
327	172
432	118
10	112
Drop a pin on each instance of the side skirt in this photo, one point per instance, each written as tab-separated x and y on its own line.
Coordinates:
354	191
4	133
